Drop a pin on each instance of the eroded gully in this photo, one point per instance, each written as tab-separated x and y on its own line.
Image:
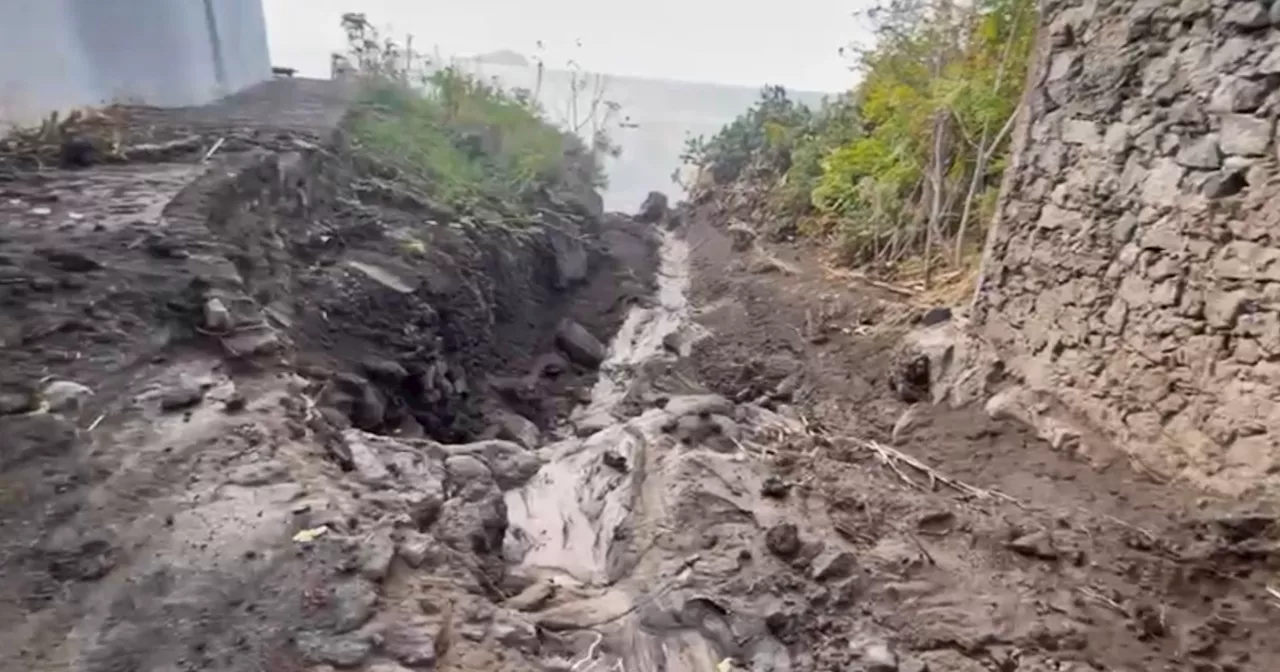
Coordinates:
616	524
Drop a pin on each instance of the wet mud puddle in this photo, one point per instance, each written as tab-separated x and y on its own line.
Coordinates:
616	525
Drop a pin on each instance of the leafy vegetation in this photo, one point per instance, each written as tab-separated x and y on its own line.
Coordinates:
462	139
905	167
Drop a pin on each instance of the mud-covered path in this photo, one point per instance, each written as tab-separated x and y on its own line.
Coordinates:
243	429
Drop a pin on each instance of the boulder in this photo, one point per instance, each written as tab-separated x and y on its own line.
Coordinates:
578	343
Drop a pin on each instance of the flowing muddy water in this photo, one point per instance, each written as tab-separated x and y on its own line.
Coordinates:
617	523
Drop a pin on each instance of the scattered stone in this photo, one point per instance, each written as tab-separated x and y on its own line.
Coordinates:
783	540
217	318
509	630
935	315
161	247
71	261
425	504
654	209
353	604
879	657
579	344
517	428
343	652
614	461
252	342
64	396
775	488
742	236
533	597
376	555
1247	16
1201	153
833	565
417	549
1037	545
383	370
412	645
235	404
1243	134
181	397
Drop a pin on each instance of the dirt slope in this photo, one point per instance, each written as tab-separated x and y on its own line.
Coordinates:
186	348
1006	554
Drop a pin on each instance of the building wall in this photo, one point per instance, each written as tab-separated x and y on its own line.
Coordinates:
1135	270
57	54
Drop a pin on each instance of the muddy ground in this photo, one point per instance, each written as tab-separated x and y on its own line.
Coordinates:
274	410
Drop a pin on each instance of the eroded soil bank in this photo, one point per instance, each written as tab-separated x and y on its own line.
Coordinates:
325	423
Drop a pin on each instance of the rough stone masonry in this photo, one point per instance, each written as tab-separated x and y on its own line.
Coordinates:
1134	273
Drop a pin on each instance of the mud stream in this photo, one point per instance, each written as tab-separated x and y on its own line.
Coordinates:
601	522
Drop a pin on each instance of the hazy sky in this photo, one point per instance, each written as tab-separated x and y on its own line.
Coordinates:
793	43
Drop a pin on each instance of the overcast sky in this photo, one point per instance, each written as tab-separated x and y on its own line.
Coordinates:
793	43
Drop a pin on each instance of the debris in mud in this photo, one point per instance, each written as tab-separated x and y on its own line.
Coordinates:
182	397
217	318
14	402
72	261
1037	545
783	540
63	396
909	379
341	651
833	565
578	343
655	208
775	488
935	315
614	461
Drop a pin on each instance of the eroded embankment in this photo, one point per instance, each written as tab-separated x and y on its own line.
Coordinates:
183	484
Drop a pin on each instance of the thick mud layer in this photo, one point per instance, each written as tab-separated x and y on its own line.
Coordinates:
276	412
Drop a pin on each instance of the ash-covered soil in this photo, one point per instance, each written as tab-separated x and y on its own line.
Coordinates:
259	333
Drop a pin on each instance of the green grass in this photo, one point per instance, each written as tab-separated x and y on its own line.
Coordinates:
464	140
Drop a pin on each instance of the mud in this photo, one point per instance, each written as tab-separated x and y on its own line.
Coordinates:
277	411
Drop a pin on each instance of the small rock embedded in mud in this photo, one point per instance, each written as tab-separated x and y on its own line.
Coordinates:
783	540
70	260
775	488
182	397
614	461
578	343
376	555
834	565
1037	545
654	209
416	549
235	404
161	247
936	315
349	651
879	657
217	317
412	645
65	396
384	370
353	604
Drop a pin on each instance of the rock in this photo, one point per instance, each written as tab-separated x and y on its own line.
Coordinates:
879	657
64	396
360	401
615	461
162	247
1201	153
833	565
510	465
77	151
1236	94
412	644
935	315
71	261
1037	545
383	370
181	397
654	209
1245	135
13	402
417	549
578	343
376	554
344	652
517	428
464	469
571	259
353	603
774	488
252	342
384	667
783	540
742	236
217	318
1247	16
425	504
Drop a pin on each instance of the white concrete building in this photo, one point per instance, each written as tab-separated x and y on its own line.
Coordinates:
61	54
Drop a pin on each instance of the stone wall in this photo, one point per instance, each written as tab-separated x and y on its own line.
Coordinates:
1134	274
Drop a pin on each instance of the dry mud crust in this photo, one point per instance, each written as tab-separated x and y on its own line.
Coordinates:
148	509
1036	560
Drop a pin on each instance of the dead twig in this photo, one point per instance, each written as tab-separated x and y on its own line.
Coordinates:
891	457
